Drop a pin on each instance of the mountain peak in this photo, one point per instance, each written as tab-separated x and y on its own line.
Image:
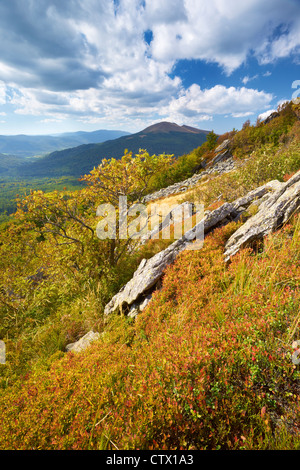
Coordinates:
166	127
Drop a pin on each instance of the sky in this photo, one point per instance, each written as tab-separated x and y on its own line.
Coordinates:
126	64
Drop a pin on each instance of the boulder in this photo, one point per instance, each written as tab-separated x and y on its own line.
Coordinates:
144	280
221	157
224	145
222	152
136	308
149	272
273	212
83	342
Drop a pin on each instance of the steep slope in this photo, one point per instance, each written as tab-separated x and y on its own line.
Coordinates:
211	363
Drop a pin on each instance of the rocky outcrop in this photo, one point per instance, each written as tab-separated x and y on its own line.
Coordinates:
275	201
176	188
144	281
223	146
83	342
222	156
273	212
222	152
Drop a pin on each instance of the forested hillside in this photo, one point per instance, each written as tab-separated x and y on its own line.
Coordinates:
77	161
63	168
208	363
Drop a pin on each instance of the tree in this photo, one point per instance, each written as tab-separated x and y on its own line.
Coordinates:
246	124
69	218
211	140
129	177
58	214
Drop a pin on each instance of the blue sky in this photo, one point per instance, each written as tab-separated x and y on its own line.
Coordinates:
126	64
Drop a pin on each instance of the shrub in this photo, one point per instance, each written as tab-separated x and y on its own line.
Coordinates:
206	366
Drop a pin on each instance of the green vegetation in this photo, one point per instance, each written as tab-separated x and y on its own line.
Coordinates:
207	365
64	167
259	138
77	161
11	189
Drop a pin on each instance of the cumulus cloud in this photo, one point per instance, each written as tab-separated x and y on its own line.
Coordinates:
225	32
238	102
247	79
80	58
90	58
285	44
2	93
266	114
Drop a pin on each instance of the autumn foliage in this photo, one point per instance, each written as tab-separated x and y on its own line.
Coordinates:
207	365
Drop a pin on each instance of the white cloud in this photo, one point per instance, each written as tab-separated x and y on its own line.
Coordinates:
248	79
91	106
225	31
240	115
245	80
159	12
266	114
218	100
286	44
2	93
89	59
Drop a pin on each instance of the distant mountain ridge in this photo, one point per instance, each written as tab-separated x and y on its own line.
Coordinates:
166	127
76	161
31	145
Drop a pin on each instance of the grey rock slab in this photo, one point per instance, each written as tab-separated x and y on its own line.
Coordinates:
272	213
257	193
281	198
221	157
150	271
224	145
136	308
144	278
179	210
83	342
